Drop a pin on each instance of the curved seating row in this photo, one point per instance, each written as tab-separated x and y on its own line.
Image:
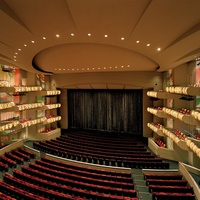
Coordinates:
50	179
86	155
97	172
169	186
106	136
16	156
115	147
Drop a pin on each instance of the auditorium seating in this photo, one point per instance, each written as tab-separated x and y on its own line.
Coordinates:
3	167
49	179
16	192
169	186
102	149
14	157
6	197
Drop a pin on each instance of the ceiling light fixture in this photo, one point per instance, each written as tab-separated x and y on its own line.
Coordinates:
137	41
128	65
148	45
32	41
105	36
25	45
122	38
57	35
16	53
19	49
44	38
72	34
89	34
158	49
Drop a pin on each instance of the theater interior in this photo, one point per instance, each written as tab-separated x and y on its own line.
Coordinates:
100	100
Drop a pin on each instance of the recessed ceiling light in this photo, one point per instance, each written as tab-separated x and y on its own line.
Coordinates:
59	69
82	68
158	49
115	66
104	67
128	65
77	69
110	67
72	34
122	38
98	67
64	69
57	35
105	35
25	45
14	56
93	68
148	45
137	41
16	53
15	60
88	68
44	38
32	41
89	34
72	69
55	68
19	49
122	66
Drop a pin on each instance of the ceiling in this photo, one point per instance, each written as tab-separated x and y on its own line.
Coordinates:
79	36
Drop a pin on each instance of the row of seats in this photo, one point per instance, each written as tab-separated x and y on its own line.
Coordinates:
169	186
103	142
95	156
16	156
103	147
11	192
6	197
86	177
8	161
100	172
3	167
100	151
49	179
106	136
45	175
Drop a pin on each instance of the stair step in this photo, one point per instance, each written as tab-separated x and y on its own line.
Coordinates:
138	177
141	188
139	182
136	172
145	196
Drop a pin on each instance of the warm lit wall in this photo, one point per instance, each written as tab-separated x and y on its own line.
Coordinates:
118	79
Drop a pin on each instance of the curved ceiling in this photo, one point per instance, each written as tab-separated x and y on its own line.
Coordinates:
75	36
